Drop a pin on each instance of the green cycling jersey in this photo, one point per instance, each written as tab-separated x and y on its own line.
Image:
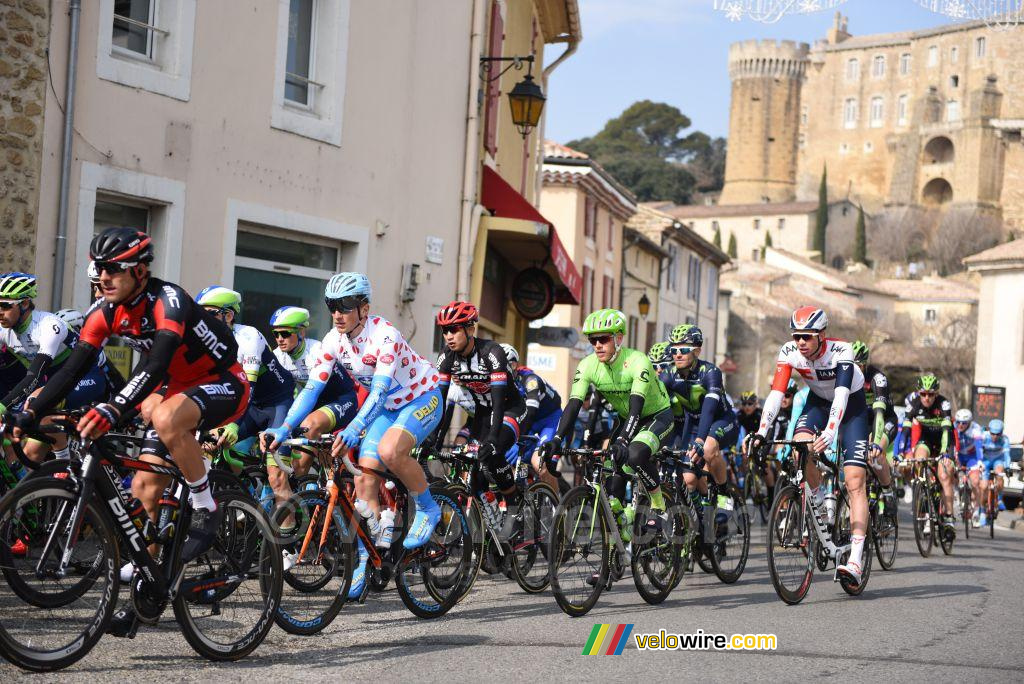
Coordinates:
630	372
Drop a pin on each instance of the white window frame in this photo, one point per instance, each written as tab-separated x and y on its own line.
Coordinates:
844	148
292	225
902	109
878	66
852	69
150	37
905	62
877	111
169	69
954	54
851	104
868	147
980	45
953	111
328	66
933	55
167	226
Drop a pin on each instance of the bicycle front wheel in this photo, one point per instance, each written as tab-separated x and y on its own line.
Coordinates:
579	551
48	619
229	595
731	545
530	564
791	546
657	557
885	534
922	518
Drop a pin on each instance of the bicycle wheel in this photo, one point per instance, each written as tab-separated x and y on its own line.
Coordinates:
430	579
316	587
530	566
921	511
657	561
471	507
731	545
243	568
993	511
966	512
791	545
579	551
885	534
48	622
843	535
759	496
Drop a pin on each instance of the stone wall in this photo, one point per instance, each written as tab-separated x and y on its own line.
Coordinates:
24	35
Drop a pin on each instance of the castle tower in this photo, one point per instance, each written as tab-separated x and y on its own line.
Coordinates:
764	120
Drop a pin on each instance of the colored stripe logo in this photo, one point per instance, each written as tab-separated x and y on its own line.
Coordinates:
607	639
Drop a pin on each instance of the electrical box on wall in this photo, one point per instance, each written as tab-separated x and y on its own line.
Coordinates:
410	281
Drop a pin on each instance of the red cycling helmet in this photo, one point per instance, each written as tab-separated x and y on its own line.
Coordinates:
457	313
809	318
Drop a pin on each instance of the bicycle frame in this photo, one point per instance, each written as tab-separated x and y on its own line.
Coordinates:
594	458
809	509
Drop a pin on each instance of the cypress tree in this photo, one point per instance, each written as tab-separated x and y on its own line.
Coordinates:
822	219
732	246
860	240
717	240
768	238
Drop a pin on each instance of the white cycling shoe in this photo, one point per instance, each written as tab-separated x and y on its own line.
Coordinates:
851	572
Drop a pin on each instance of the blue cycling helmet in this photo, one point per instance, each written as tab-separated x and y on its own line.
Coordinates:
995	427
348	284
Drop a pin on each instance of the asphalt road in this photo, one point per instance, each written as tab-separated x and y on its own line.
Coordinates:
958	618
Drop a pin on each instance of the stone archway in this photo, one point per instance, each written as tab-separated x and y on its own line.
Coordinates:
939	150
936	192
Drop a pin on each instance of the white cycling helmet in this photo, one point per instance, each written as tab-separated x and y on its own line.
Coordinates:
510	352
964	416
72	318
348	284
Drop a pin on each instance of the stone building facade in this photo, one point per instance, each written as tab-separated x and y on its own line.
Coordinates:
24	32
909	118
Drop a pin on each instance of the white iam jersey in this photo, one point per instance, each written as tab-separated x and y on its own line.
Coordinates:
300	366
819	373
379	349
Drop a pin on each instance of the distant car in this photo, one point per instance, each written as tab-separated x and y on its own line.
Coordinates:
1013	492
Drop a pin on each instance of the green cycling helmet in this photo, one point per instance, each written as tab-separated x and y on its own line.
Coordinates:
928	383
290	317
220	297
687	333
605	321
18	286
861	352
658	352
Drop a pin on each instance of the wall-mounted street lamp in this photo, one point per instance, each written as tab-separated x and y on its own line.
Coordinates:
644	305
526	100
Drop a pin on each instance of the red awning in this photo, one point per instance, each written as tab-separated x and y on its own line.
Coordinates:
502	200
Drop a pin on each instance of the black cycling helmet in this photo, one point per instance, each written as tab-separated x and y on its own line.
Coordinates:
124	245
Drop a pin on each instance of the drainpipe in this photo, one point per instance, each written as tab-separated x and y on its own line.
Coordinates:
75	12
471	210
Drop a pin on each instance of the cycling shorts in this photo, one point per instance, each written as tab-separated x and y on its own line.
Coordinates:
725	430
89	390
653	430
853	430
257	418
340	412
969	461
420	417
988	465
932	440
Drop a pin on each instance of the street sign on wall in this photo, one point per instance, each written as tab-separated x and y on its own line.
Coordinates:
987	403
553	336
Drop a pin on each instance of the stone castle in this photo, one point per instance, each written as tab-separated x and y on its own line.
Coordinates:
927	118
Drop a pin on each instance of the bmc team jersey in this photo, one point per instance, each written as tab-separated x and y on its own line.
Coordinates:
630	372
271	384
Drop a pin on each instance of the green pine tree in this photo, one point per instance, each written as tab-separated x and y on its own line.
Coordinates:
822	219
732	251
860	240
768	238
717	240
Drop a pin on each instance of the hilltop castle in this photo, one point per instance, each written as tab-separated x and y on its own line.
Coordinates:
930	118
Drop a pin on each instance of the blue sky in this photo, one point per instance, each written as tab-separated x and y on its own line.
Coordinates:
676	51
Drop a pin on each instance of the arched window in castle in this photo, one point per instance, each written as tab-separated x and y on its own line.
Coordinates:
850	112
939	150
936	191
878	66
852	69
877	112
952	111
905	64
902	104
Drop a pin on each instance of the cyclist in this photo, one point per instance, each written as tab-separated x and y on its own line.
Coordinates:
481	367
876	395
711	422
969	455
626	379
404	405
931	433
42	343
543	410
749	414
661	357
995	458
72	318
187	350
835	406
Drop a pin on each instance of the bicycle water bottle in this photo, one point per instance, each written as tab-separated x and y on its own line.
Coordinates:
372	523
168	517
387	528
830	507
138	516
266	497
491	511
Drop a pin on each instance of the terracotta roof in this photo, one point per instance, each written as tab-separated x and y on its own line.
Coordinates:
553	149
687	211
1008	251
929	288
861	281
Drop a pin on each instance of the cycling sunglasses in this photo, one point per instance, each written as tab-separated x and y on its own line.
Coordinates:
926	394
7	306
803	337
680	350
599	339
114	267
283	334
450	329
344	304
217	311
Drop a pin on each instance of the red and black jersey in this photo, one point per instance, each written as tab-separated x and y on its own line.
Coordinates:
184	345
